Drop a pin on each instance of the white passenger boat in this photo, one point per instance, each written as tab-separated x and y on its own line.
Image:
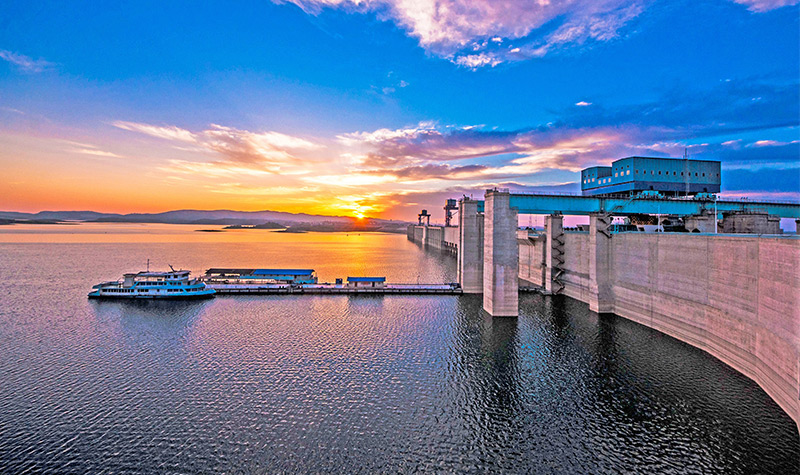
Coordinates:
175	284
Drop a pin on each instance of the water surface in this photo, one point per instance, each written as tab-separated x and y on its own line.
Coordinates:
344	383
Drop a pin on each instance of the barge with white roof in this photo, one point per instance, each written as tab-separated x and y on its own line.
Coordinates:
304	281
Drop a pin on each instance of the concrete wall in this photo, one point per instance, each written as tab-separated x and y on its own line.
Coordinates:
576	266
531	258
700	223
750	223
451	238
734	297
470	247
435	237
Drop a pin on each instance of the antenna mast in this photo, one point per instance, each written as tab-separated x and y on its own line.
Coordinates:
148	265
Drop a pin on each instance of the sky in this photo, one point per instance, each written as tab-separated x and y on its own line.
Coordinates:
383	107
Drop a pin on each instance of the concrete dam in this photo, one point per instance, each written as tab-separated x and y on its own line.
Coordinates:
735	296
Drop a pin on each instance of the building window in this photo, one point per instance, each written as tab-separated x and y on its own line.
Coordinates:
627	172
659	172
704	174
674	173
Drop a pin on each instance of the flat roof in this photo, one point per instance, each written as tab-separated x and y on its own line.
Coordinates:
283	271
366	279
675	159
260	271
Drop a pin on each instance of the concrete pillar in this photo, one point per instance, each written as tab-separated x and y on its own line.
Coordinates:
601	298
470	247
425	236
554	253
500	256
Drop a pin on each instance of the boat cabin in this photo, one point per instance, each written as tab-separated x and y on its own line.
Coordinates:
363	282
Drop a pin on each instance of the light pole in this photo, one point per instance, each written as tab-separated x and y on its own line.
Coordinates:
715	213
659	229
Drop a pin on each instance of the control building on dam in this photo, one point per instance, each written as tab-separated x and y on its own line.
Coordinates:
735	295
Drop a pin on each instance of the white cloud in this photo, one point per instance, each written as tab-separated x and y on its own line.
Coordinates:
266	152
583	104
766	5
25	63
474	61
451	28
163	132
469	32
770	143
97	153
383	135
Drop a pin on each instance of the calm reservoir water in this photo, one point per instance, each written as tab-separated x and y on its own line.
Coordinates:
344	384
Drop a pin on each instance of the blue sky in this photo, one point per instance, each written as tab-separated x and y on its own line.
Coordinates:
381	107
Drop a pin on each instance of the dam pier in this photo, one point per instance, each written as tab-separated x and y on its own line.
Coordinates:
733	295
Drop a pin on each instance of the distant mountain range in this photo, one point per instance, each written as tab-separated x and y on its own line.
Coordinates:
200	217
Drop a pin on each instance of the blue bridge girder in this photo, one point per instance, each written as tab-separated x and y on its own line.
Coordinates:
584	205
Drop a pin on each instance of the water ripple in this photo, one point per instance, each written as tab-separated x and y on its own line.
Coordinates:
352	383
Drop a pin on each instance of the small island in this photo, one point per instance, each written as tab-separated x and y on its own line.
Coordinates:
269	225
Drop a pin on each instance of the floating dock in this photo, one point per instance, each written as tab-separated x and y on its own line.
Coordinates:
304	281
223	289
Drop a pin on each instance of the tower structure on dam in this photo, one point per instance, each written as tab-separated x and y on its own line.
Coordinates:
500	256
